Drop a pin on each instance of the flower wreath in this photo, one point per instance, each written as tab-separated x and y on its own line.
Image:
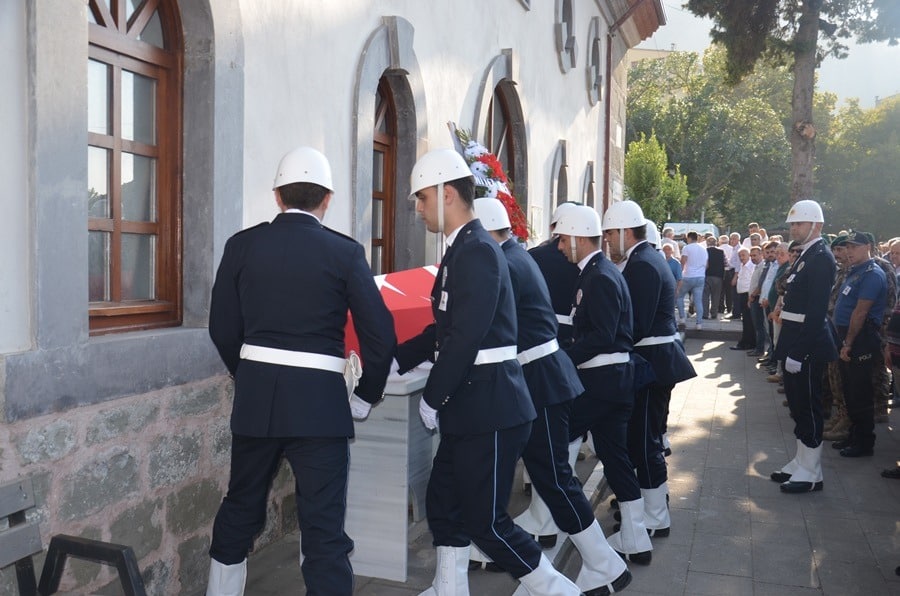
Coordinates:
491	181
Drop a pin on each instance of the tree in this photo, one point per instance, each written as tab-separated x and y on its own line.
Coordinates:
788	31
858	170
649	182
728	140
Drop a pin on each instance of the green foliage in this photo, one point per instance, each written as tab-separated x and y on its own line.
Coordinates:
752	30
648	181
859	177
729	141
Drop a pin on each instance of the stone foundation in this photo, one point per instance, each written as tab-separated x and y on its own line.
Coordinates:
147	471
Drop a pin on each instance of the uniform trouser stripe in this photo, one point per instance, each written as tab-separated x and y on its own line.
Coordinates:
547	461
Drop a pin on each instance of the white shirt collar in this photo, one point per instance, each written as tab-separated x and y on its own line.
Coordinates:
451	237
313	215
583	262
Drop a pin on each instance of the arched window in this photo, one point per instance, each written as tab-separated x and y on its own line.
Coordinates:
504	135
384	160
134	164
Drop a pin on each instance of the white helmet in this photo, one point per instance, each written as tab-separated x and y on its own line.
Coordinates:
557	213
622	215
653	234
304	164
805	210
579	220
492	214
436	167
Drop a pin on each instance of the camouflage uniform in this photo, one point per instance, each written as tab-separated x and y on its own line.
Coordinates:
881	376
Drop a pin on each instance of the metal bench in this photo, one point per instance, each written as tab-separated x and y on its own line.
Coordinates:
23	540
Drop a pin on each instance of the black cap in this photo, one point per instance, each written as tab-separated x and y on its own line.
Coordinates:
858	237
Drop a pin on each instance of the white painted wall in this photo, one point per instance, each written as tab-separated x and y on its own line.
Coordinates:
300	64
15	313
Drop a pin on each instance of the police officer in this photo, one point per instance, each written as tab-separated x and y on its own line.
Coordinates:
602	334
559	274
857	315
279	307
805	345
553	383
652	288
475	391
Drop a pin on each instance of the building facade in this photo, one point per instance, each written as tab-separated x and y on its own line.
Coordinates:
141	134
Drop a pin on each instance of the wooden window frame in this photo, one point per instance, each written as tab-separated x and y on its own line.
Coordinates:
114	42
386	143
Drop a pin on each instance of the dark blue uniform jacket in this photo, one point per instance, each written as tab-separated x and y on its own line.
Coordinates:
602	325
652	287
809	282
474	309
560	276
288	285
551	379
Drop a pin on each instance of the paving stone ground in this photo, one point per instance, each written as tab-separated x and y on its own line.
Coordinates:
733	532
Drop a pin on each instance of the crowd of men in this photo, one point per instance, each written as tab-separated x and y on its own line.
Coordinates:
530	352
748	279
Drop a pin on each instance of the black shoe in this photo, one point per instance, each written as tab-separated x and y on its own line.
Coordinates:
667	452
643	558
548	541
779	477
738	347
841	444
891	473
618	584
857	451
755	353
801	487
658	533
617	516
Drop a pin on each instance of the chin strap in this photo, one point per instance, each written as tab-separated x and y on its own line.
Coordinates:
622	243
441	242
572	249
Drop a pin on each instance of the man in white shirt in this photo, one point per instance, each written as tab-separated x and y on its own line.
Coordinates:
742	290
669	238
693	261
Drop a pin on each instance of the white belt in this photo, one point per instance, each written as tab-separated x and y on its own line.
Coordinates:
656	340
792	316
492	355
606	360
564	319
291	358
537	352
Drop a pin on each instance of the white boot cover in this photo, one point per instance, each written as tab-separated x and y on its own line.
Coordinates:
600	564
537	519
547	581
477	555
226	580
809	464
451	573
656	510
632	536
791	466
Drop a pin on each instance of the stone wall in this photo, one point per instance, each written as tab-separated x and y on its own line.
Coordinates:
148	471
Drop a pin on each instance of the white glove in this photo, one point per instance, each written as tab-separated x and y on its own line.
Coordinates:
792	366
427	414
359	408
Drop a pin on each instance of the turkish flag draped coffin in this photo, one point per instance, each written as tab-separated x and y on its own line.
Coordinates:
407	295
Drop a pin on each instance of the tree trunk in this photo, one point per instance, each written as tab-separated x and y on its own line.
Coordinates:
803	132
